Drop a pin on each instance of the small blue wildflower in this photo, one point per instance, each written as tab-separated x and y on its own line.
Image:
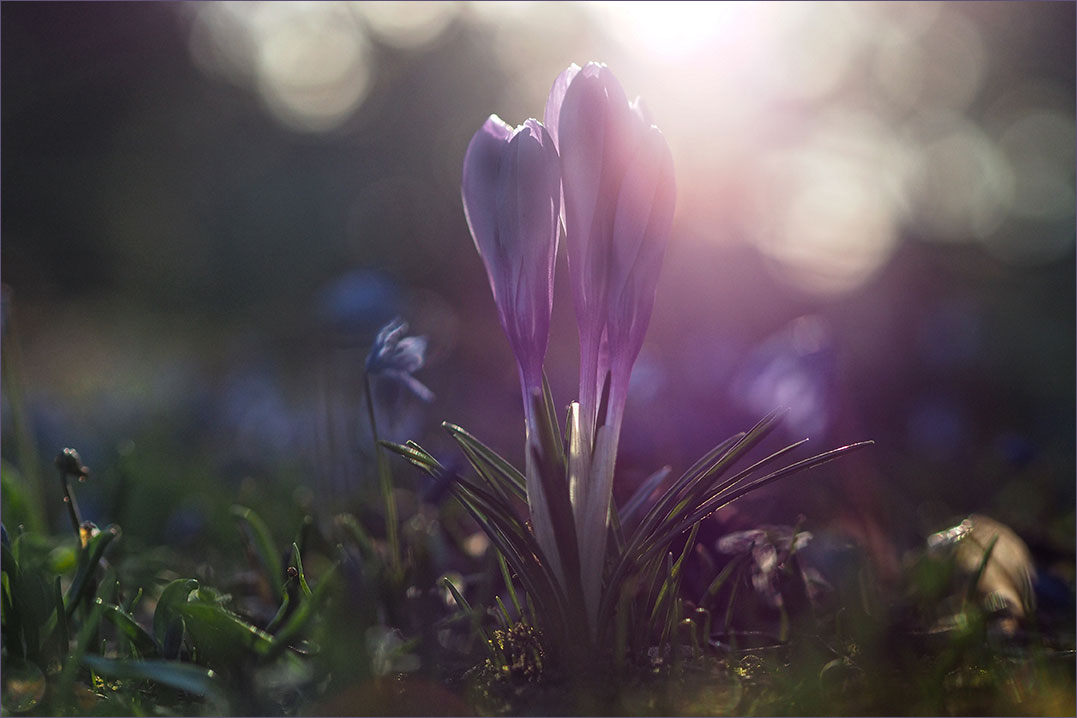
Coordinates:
395	356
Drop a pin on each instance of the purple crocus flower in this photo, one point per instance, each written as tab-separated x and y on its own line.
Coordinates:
512	200
619	193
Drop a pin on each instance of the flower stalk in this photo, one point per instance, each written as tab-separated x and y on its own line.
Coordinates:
619	192
511	192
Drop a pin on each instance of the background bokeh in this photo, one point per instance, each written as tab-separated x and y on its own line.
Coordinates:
208	209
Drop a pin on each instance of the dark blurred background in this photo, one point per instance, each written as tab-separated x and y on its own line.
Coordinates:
208	210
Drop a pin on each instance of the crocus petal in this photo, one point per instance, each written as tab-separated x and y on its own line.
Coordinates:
532	175
482	164
597	134
640	236
644	210
582	133
639	107
552	115
527	206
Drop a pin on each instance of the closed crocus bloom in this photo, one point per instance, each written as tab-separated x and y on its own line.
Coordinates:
512	200
512	196
641	228
619	191
605	142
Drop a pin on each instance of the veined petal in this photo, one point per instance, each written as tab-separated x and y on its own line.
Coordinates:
482	165
582	131
644	210
527	200
640	236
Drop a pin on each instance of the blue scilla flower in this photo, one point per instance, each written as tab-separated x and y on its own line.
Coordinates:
396	357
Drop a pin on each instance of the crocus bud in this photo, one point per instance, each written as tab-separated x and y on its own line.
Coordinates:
512	198
619	191
618	187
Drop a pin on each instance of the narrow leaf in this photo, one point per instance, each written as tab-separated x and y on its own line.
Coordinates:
181	676
643	492
127	626
172	597
262	541
490	457
89	559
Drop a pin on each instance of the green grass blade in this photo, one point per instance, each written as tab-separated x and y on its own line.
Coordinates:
385	483
643	540
506	619
173	596
299	619
505	574
490	458
643	492
359	533
63	634
520	552
496	480
671	584
174	674
86	632
261	540
724	499
730	448
692	488
475	619
555	488
299	570
722	577
415	454
88	562
741	476
135	634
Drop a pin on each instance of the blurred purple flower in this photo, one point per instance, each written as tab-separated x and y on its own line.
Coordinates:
396	357
779	537
796	368
770	548
512	197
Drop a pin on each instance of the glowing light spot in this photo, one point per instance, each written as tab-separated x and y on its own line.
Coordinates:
829	207
1040	146
407	25
309	62
815	50
671	29
954	58
313	73
965	184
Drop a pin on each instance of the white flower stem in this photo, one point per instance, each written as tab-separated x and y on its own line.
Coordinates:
595	516
536	495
